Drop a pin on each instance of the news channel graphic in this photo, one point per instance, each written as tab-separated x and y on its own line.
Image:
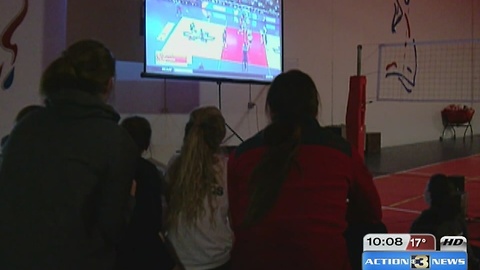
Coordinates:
413	251
401	260
398	242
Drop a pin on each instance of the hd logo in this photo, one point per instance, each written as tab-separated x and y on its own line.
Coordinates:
420	262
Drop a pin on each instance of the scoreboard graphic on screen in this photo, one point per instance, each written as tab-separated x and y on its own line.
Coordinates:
413	251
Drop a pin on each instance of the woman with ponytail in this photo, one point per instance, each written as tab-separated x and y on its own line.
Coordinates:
289	186
197	223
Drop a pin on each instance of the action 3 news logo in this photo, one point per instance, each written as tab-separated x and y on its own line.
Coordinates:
420	262
400	260
425	261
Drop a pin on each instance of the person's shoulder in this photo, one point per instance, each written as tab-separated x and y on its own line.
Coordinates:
147	171
425	222
119	139
428	214
315	134
251	143
174	157
146	164
162	167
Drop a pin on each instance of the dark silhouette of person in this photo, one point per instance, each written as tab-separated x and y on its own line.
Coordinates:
67	170
445	216
24	112
143	247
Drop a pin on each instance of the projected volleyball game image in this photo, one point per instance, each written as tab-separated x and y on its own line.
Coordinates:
236	40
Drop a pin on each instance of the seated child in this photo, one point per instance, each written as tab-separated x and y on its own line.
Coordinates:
445	215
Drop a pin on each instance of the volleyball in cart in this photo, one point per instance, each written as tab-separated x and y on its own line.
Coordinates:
454	116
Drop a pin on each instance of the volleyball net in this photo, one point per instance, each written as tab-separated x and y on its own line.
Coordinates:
429	71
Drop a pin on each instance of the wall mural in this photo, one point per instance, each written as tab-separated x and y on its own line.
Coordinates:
404	69
442	70
7	69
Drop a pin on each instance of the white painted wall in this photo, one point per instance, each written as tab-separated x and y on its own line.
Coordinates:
39	37
320	38
408	122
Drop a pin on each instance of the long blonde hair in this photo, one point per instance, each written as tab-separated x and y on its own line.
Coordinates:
193	176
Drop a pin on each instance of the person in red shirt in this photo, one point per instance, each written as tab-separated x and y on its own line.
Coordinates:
295	187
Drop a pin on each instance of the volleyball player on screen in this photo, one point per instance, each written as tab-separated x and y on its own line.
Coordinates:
202	35
249	37
264	34
245	56
178	8
224	37
241	25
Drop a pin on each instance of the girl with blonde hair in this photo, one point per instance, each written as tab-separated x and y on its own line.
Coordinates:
197	204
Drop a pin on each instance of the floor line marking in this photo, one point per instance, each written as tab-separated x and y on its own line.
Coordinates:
427	166
401	210
406	201
474	178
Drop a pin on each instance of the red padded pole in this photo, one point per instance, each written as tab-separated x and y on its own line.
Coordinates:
355	118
